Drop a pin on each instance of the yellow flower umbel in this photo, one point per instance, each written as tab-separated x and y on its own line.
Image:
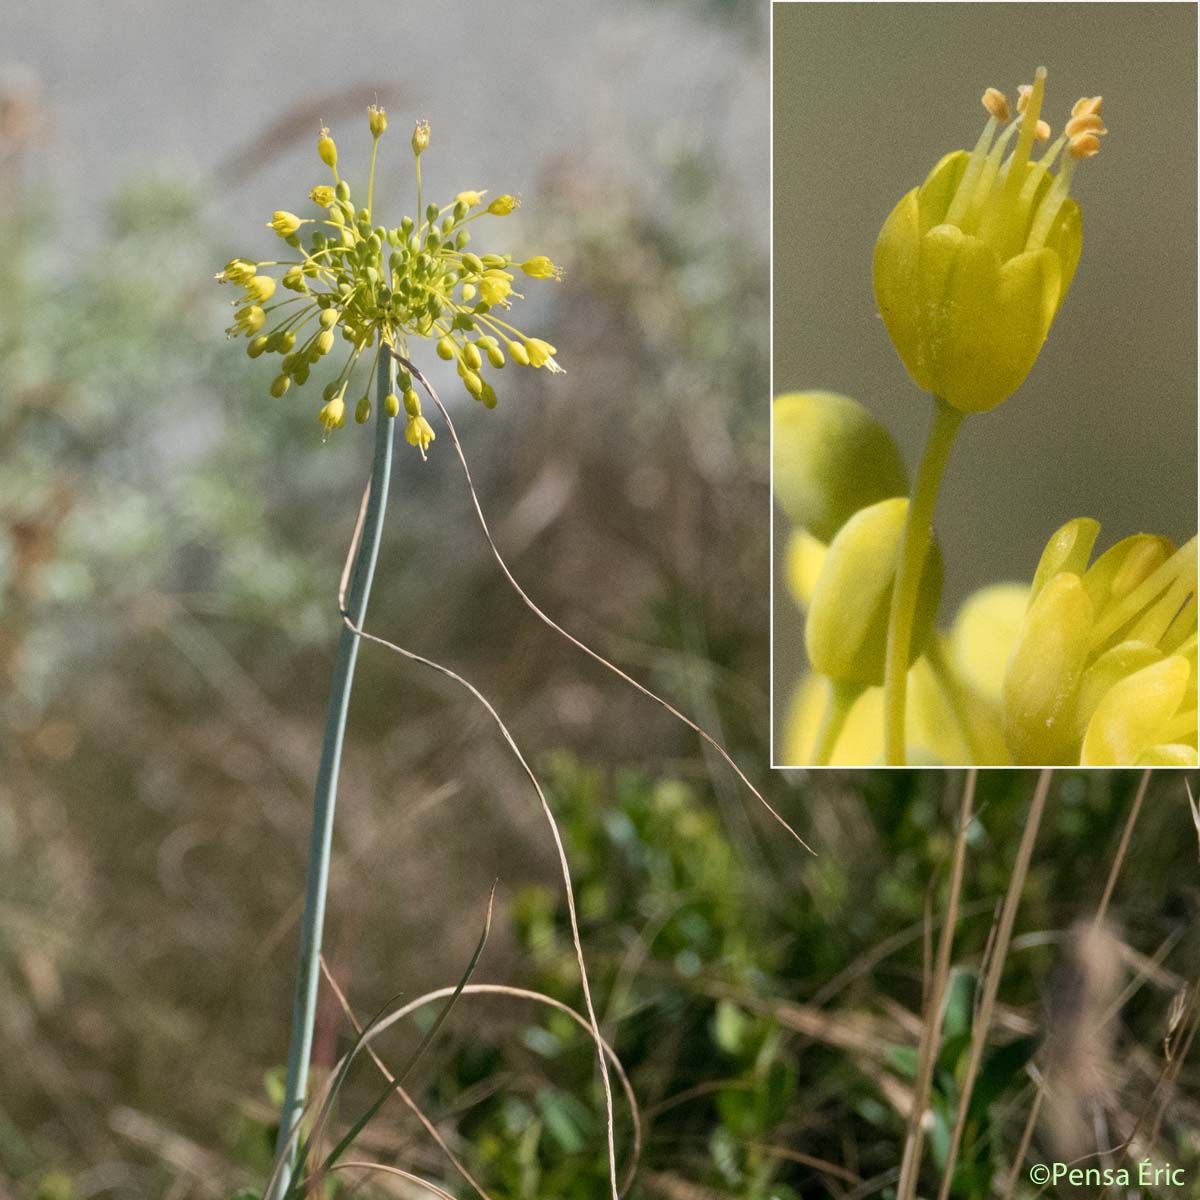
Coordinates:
972	266
1103	672
380	286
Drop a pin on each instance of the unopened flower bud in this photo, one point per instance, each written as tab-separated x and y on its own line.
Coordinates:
327	149
503	205
831	459
846	630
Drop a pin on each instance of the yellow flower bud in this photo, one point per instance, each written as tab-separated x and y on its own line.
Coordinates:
237	270
377	119
473	383
279	385
324	342
518	353
983	634
391	404
260	288
294	281
248	320
418	432
503	205
803	558
972	266
831	459
1089	632
472	357
541	354
420	137
333	414
362	410
255	347
327	149
446	348
495	287
1134	713
846	630
328	318
323	196
284	223
540	267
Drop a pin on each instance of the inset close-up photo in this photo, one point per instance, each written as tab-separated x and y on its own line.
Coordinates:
984	376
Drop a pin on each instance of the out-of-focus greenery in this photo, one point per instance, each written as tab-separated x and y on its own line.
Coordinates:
172	548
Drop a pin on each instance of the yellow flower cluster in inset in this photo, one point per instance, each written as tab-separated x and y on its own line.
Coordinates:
380	286
972	266
1103	671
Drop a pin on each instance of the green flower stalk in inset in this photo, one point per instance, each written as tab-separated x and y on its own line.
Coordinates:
379	287
970	270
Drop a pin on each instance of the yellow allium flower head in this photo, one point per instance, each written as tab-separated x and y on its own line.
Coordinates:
375	285
972	266
1103	672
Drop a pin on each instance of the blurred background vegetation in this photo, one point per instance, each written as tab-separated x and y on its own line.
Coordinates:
171	540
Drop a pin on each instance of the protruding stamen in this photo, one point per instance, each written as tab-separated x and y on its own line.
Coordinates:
1086	106
1086	123
996	103
1085	145
966	185
1023	91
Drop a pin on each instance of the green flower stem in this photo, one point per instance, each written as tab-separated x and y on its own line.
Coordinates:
914	546
837	708
317	881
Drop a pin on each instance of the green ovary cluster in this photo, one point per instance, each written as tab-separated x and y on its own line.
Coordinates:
379	286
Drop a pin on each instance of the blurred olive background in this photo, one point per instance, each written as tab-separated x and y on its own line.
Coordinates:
867	98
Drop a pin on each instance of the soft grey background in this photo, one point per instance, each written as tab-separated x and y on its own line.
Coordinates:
138	85
867	97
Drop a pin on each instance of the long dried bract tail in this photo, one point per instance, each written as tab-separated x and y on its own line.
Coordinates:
564	866
537	612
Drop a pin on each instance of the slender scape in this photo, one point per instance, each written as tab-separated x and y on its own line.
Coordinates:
317	881
914	549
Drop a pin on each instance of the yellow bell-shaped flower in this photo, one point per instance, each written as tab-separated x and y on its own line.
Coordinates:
972	266
1103	669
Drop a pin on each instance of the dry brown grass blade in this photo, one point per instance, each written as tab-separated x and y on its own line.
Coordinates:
560	849
931	1032
580	645
519	993
401	1091
1122	847
1043	1079
398	1171
991	985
